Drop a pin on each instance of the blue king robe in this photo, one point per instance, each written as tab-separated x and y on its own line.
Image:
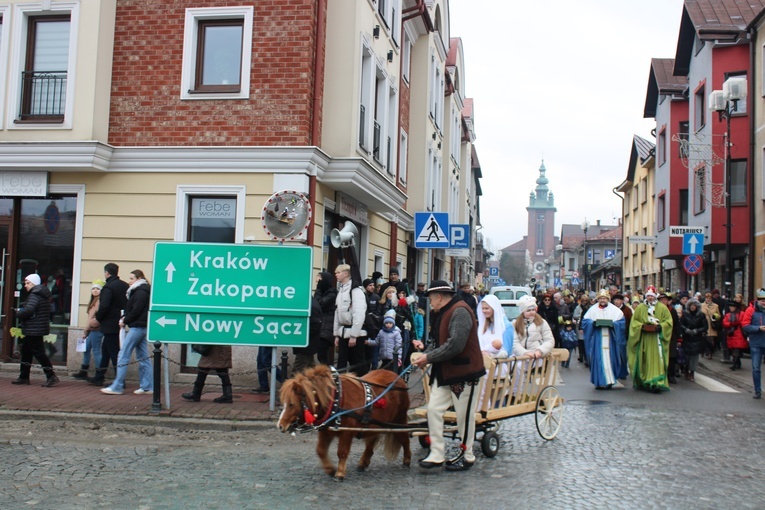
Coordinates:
606	347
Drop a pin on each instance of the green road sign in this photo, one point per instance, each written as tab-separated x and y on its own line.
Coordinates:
232	278
227	329
204	286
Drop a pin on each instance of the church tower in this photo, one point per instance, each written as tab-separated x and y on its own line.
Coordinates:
541	228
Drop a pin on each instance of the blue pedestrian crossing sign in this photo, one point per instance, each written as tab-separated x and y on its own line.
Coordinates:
693	244
574	281
431	230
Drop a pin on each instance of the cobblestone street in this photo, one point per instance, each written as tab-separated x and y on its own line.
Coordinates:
606	456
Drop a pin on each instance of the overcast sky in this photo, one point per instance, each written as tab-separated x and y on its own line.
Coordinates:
564	81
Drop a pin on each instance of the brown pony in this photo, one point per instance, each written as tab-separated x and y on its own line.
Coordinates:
309	399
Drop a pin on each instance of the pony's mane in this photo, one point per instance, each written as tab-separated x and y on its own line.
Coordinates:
317	384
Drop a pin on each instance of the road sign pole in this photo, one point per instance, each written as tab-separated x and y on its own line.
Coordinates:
272	397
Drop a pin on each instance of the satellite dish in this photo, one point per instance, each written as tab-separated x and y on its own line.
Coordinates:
344	237
286	215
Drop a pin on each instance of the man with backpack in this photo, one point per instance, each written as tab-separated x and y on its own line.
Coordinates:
348	327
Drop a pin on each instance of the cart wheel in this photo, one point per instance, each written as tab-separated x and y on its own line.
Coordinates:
490	444
549	413
424	441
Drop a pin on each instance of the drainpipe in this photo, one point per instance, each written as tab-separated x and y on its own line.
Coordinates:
613	190
319	57
752	201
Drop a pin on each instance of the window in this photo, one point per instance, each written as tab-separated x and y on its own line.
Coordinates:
661	211
682	134
367	92
699	109
740	107
378	111
434	179
44	78
406	57
217	51
402	158
392	130
4	12
699	192
683	206
643	192
662	146
738	182
219	56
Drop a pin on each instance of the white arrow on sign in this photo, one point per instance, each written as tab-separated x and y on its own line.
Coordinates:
692	243
170	268
163	321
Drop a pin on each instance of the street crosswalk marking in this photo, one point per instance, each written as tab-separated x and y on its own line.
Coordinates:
712	385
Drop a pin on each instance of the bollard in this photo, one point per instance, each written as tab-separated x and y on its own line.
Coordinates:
284	365
156	406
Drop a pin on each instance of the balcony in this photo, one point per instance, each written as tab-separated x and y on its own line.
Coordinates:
43	96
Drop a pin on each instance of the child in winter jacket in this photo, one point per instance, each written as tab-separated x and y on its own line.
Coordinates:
419	324
569	340
389	342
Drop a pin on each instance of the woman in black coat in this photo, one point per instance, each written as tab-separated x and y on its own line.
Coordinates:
549	313
694	326
35	317
326	294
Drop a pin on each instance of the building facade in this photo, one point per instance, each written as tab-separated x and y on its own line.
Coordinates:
125	123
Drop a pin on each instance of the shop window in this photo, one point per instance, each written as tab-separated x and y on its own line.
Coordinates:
46	237
208	214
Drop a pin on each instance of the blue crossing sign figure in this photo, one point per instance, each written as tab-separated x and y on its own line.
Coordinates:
431	229
574	281
693	244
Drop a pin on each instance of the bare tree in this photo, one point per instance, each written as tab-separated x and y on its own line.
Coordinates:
513	270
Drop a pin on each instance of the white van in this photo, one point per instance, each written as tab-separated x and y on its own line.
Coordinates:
510	292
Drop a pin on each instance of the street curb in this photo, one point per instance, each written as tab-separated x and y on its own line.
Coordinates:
153	421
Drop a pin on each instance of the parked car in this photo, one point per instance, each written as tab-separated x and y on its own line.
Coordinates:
510	308
509	292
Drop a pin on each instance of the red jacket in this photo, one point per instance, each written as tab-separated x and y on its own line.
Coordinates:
732	324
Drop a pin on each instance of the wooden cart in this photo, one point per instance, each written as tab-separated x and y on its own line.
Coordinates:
512	387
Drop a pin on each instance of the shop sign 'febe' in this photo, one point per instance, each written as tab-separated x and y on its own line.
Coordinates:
230	294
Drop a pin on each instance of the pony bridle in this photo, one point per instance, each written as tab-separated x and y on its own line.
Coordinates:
308	420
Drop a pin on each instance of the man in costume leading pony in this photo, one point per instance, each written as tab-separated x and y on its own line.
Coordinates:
457	368
605	341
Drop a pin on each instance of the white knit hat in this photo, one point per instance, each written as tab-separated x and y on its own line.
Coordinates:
33	278
526	302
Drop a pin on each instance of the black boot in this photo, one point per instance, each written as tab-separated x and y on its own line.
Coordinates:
199	384
82	375
228	396
98	379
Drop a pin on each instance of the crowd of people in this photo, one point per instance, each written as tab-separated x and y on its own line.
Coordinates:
655	336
